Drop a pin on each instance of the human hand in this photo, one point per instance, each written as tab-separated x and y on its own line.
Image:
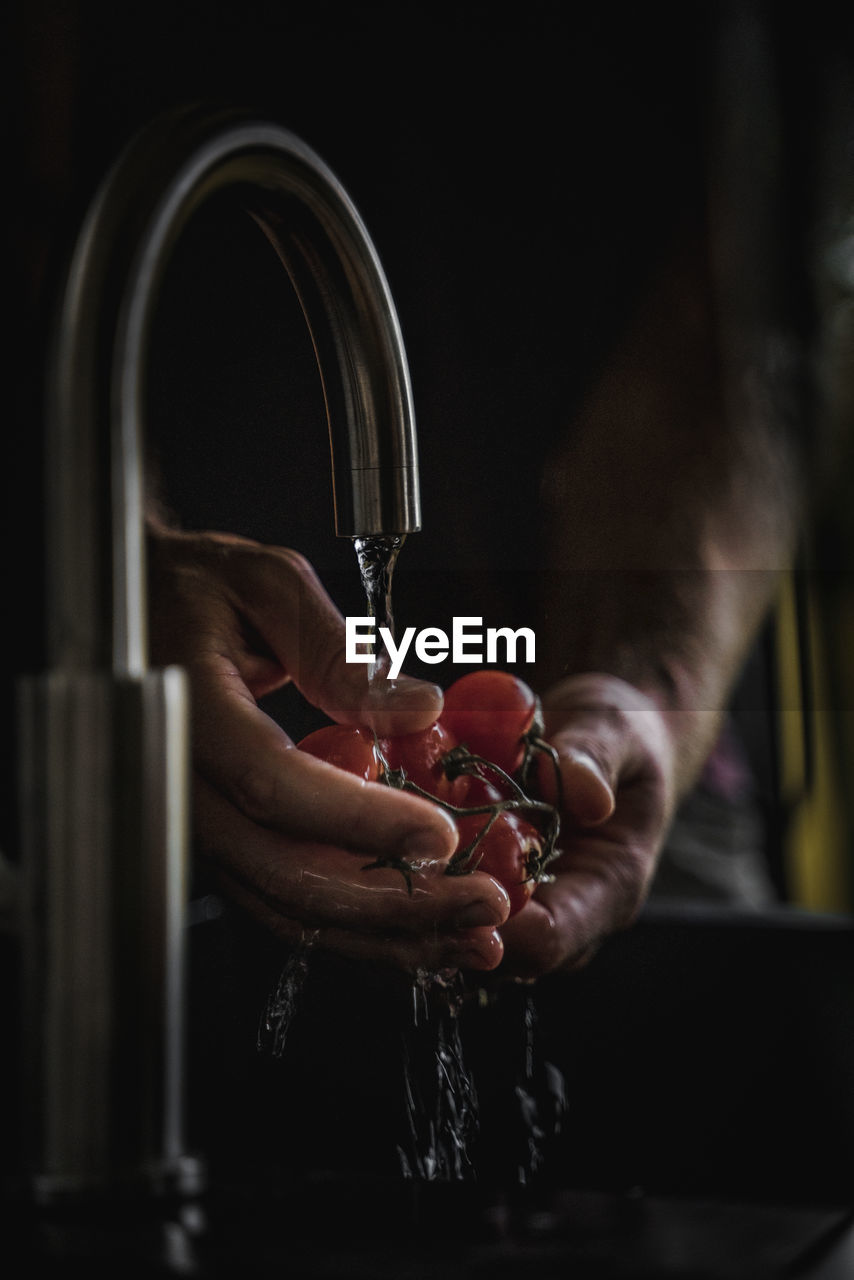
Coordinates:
616	755
288	834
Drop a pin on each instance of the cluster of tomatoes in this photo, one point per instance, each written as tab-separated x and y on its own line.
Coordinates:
484	761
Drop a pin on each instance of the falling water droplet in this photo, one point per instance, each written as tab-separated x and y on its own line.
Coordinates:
540	1096
440	1100
283	1000
439	1095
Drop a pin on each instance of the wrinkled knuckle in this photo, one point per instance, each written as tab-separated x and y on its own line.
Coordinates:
628	875
551	953
616	717
217	552
327	661
661	777
257	793
295	564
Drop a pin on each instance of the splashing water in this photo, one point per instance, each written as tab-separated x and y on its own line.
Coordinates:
376	556
441	1113
283	1000
541	1099
440	1099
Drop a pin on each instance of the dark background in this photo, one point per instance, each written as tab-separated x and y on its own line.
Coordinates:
523	171
521	174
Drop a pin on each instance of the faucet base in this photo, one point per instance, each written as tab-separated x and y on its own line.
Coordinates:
103	929
167	1181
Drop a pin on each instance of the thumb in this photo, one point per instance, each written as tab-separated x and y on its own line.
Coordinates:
291	609
587	790
603	731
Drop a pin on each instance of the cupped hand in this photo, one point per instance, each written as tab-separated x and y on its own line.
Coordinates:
616	757
291	835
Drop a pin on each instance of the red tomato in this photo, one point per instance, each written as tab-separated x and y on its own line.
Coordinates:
489	711
420	755
506	852
345	746
480	792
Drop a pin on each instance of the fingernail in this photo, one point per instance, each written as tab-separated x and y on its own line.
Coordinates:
404	692
401	706
436	842
483	954
407	689
428	846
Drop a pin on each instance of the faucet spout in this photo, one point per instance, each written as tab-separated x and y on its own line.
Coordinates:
96	392
104	739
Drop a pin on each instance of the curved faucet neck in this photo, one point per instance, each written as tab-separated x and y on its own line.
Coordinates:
96	563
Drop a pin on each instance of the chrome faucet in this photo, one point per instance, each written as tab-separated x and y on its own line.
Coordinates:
104	738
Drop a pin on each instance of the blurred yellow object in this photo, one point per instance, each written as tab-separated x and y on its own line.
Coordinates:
814	632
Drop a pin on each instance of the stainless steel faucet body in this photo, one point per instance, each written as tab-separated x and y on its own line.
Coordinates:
104	739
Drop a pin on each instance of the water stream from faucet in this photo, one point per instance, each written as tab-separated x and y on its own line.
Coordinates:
440	1100
377	556
440	1119
440	1106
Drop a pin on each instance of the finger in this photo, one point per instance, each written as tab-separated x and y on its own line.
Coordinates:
607	735
476	949
246	755
323	887
598	889
550	935
615	759
587	794
400	706
292	611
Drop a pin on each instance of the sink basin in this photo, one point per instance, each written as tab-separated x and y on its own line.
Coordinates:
704	1052
705	1058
